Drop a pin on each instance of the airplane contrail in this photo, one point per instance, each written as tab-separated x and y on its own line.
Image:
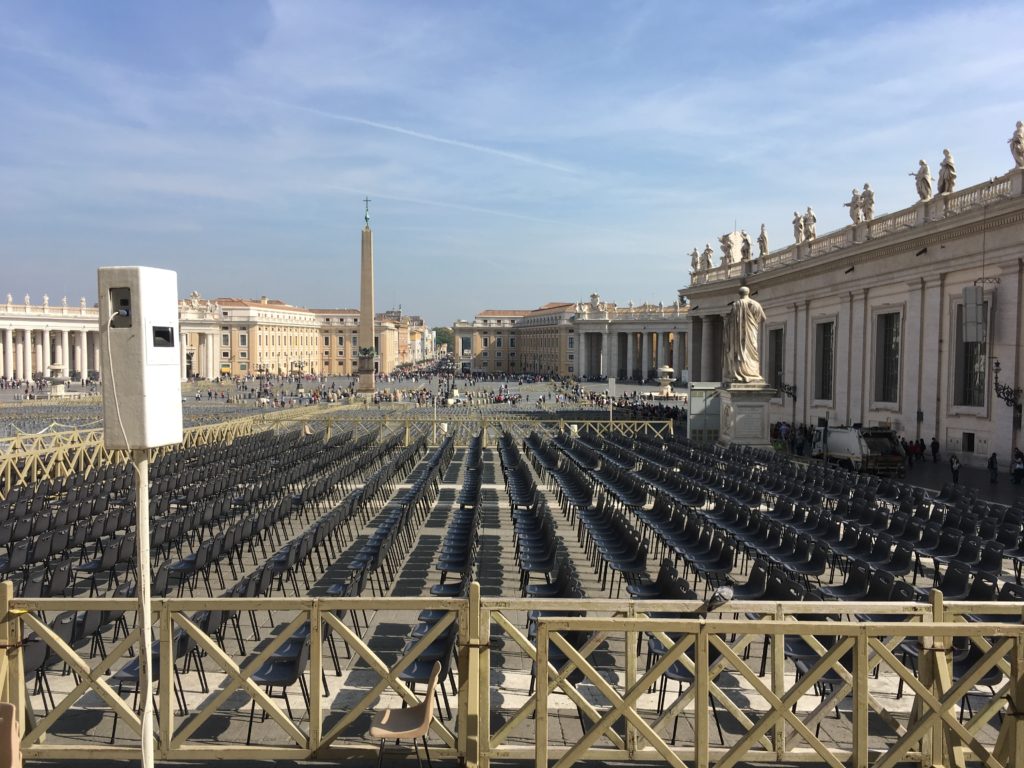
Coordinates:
418	134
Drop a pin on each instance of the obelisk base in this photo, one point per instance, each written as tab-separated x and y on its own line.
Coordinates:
367	380
744	409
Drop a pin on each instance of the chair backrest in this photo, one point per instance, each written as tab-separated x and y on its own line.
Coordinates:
428	699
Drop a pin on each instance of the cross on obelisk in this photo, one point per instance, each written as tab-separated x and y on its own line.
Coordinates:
367	349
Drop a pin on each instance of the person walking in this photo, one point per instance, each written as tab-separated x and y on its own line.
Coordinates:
993	469
935	450
1017	468
954	467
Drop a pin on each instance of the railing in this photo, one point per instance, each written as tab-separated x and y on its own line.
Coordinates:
775	717
832	242
934	209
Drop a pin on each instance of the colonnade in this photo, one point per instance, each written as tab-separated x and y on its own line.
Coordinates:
29	352
631	354
199	352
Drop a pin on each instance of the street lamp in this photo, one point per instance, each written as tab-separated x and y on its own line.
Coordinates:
1009	395
789	390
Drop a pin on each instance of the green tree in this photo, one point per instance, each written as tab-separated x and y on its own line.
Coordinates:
444	336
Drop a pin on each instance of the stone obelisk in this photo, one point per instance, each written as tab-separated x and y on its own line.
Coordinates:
367	350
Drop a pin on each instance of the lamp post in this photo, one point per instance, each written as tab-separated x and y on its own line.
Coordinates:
1009	395
437	387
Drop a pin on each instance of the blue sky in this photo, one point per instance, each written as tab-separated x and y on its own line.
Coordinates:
516	152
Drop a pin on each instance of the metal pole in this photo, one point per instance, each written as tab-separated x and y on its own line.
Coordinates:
140	458
437	386
611	397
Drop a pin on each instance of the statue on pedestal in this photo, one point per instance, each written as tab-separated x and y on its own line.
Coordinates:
762	243
744	245
705	258
694	261
728	256
741	360
947	173
867	202
1016	143
923	179
798	228
810	224
855	206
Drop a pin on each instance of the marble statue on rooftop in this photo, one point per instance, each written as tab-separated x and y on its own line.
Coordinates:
28	300
855	206
867	202
744	245
798	228
741	359
923	179
728	256
705	257
762	243
694	261
810	224
1017	145
64	301
947	173
81	302
10	299
46	300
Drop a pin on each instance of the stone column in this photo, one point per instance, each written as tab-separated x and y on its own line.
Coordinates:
630	353
8	353
65	354
211	356
707	351
662	349
608	346
80	351
182	357
39	362
95	352
645	354
19	354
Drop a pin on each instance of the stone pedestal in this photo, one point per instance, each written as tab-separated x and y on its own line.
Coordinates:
744	409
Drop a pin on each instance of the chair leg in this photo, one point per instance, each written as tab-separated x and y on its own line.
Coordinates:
427	750
380	754
252	716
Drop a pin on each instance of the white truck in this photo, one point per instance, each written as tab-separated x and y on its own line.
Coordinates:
862	449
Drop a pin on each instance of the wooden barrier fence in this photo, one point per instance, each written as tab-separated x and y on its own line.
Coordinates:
780	716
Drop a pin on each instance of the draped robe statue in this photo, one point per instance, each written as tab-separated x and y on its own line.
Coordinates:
741	360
